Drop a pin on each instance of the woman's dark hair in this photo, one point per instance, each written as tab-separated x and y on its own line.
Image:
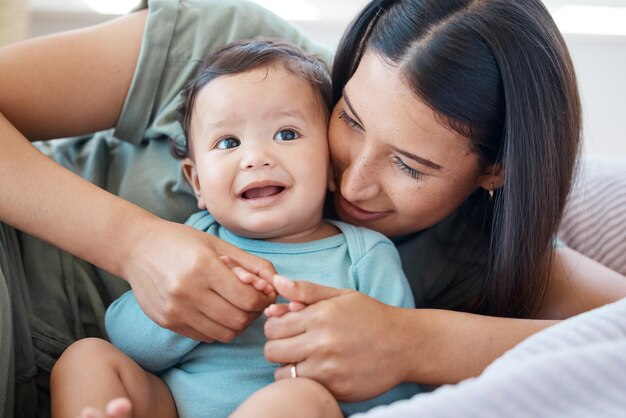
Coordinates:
246	55
498	72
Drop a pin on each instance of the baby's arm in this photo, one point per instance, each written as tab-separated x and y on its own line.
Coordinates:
154	348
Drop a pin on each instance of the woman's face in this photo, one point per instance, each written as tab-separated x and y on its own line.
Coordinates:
398	169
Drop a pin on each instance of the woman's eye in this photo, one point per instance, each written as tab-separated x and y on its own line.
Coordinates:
227	143
348	120
413	173
286	135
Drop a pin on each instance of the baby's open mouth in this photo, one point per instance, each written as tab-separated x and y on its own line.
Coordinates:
259	192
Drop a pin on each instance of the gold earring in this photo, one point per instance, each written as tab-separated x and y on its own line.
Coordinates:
490	191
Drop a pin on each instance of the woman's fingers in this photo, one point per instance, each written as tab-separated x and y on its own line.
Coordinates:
302	369
303	291
195	334
181	282
198	326
337	342
288	325
289	350
223	319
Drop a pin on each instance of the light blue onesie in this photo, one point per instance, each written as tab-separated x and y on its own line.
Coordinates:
211	380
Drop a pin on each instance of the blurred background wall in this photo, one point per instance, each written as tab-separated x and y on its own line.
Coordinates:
14	20
595	31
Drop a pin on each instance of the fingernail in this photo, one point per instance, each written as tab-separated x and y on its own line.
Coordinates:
283	281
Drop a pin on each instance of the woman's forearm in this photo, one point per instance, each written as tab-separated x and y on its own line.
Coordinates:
45	200
76	83
64	85
447	347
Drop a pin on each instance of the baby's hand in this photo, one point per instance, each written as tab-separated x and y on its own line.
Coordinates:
250	278
276	310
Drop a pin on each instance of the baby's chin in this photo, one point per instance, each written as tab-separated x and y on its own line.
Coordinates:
263	232
287	233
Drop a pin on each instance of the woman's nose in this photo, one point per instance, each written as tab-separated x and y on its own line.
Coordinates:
359	180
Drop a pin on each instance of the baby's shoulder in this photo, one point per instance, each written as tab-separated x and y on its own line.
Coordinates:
201	220
361	240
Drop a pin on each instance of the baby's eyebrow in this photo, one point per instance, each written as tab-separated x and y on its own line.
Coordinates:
295	113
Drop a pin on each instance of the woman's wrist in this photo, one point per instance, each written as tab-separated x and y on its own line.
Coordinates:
141	229
415	356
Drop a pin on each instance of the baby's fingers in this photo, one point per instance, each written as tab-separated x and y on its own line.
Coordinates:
245	276
276	310
296	306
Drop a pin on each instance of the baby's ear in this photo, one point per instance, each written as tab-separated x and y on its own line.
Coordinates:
191	174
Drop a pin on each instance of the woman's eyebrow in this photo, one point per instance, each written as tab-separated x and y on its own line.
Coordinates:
347	100
420	160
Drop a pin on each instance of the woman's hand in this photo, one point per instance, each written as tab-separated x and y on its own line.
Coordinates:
359	347
351	343
182	284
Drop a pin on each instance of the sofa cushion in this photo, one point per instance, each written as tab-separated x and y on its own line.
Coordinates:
594	222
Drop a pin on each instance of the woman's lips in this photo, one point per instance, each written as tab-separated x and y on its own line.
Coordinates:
357	213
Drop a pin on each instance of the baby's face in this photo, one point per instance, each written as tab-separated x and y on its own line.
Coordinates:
260	153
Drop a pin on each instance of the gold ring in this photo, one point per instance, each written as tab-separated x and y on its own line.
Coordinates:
294	372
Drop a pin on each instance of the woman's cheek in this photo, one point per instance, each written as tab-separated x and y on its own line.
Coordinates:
339	145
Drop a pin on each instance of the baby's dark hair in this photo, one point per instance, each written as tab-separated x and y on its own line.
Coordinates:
246	55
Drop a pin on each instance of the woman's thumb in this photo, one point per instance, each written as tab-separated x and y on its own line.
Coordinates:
303	291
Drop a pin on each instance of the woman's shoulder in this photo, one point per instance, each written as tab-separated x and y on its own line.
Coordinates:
446	263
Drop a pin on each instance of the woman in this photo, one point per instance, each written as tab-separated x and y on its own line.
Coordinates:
469	86
128	74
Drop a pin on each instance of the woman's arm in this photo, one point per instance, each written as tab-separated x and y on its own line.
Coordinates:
70	83
579	284
75	83
359	347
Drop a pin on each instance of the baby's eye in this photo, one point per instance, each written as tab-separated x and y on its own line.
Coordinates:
227	143
286	135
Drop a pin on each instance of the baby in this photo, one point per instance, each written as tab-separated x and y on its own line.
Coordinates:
256	155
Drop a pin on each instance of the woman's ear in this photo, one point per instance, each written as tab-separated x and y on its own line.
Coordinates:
191	174
492	177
